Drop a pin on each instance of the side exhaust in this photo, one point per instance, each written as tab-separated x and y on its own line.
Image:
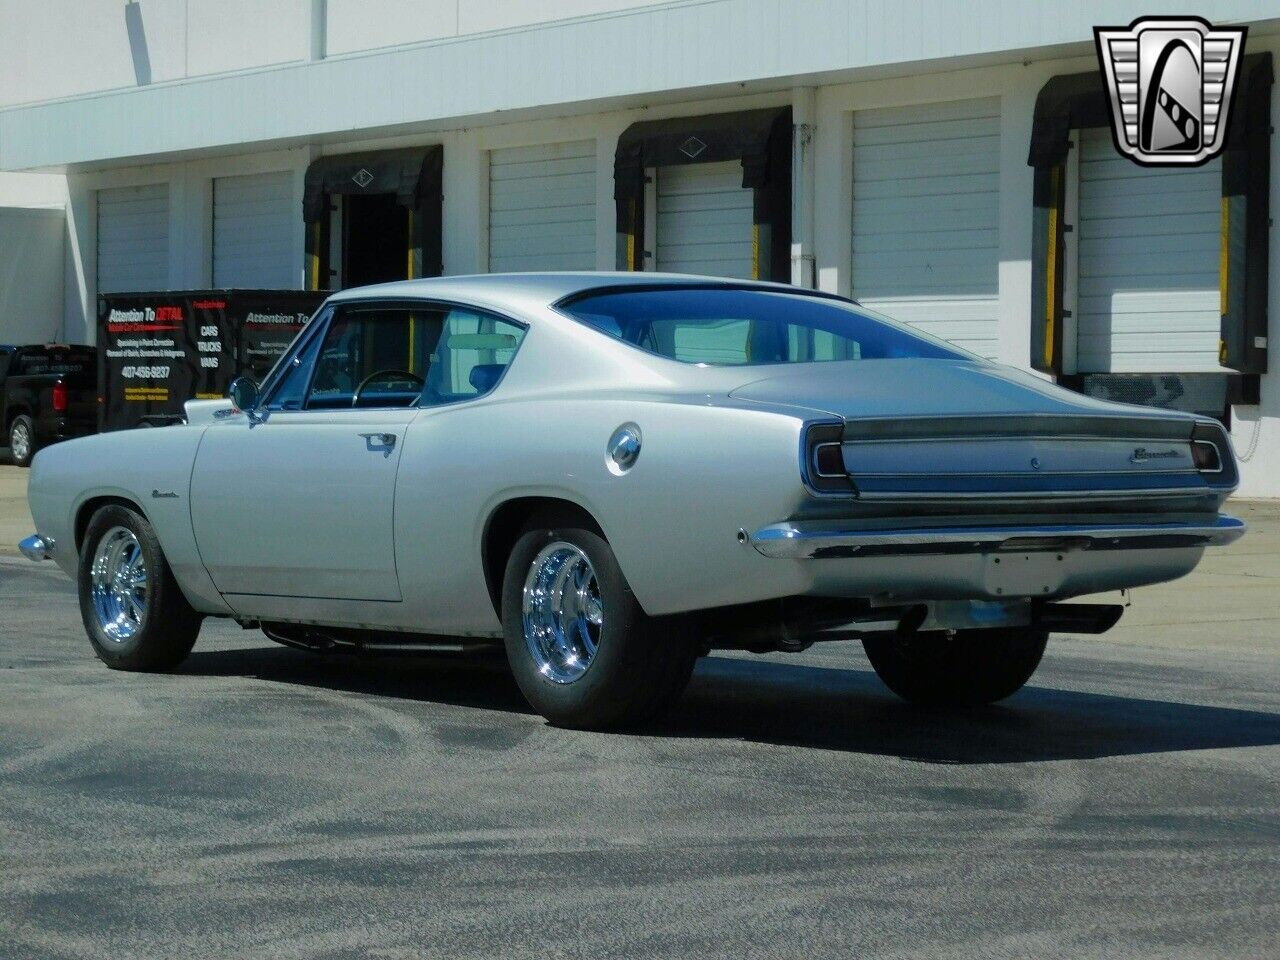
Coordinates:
1078	617
36	547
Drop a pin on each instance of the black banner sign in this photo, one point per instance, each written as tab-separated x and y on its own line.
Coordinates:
159	350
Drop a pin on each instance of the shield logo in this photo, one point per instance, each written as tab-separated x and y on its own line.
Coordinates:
1170	81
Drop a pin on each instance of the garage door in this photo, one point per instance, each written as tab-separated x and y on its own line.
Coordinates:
133	238
704	218
542	207
253	221
926	208
1148	263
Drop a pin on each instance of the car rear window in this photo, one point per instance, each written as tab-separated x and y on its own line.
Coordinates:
732	326
56	361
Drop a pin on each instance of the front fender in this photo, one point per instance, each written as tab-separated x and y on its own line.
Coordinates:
148	468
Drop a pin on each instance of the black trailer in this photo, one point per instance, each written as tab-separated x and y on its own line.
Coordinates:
159	350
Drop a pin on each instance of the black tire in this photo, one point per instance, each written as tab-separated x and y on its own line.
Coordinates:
21	453
167	628
641	665
971	668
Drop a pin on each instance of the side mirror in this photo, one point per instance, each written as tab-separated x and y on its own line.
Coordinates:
244	394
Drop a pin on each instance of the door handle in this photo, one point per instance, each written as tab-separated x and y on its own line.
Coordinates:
379	441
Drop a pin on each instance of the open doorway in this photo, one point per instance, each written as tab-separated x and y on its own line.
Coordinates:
373	217
375	239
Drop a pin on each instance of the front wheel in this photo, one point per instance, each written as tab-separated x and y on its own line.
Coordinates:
582	651
132	608
22	440
969	668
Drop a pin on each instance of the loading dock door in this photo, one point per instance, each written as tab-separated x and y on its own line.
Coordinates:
133	238
708	195
253	242
542	207
926	208
1148	297
704	220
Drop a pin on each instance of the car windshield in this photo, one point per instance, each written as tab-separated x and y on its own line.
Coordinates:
738	326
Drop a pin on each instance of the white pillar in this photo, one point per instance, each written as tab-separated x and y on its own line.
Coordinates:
79	299
1016	183
190	229
804	111
832	151
466	204
317	16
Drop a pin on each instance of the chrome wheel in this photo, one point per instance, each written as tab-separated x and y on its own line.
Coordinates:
563	613
118	582
20	440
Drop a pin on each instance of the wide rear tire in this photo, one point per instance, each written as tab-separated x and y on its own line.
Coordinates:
971	668
133	610
582	650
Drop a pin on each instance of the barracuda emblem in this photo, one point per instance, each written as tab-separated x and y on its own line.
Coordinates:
1143	455
1170	81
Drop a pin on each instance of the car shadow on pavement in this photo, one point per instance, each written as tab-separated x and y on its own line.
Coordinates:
817	707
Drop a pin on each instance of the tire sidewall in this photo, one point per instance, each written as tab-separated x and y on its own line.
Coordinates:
615	654
125	654
25	420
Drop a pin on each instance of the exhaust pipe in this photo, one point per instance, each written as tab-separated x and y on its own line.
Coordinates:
1091	618
36	548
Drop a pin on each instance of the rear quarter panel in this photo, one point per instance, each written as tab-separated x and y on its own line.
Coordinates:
707	468
128	465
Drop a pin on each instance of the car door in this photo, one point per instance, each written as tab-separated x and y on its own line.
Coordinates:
298	500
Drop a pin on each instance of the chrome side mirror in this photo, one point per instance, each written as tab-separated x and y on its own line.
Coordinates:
244	394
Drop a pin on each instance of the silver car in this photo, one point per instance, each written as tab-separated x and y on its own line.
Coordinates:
612	474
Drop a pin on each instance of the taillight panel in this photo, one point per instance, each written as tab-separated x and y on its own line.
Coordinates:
822	459
1211	454
60	398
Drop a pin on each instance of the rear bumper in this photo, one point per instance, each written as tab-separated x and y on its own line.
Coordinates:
822	540
55	430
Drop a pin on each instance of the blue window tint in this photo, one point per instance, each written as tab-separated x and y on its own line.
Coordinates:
737	326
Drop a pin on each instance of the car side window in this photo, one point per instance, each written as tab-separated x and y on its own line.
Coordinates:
470	356
291	387
374	357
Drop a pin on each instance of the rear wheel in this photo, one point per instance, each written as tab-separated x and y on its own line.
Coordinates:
970	668
133	611
22	440
581	649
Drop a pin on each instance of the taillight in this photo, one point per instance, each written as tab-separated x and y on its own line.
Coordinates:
60	397
1211	454
1206	457
823	459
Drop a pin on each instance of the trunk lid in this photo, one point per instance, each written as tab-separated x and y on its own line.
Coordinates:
919	396
923	429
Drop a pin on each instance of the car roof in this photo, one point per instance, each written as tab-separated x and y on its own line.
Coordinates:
516	290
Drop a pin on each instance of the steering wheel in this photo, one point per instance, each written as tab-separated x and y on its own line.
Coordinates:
385	375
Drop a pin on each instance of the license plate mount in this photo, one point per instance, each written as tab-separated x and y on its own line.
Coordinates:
1031	574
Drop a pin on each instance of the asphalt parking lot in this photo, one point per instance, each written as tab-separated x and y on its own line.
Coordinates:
267	802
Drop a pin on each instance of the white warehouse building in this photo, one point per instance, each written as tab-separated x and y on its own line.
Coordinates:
948	163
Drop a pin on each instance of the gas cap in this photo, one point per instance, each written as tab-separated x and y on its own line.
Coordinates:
624	449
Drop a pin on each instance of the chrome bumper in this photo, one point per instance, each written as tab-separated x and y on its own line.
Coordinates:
821	540
36	547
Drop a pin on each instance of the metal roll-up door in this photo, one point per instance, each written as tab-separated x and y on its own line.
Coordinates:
1149	249
926	214
704	220
133	238
253	242
542	207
